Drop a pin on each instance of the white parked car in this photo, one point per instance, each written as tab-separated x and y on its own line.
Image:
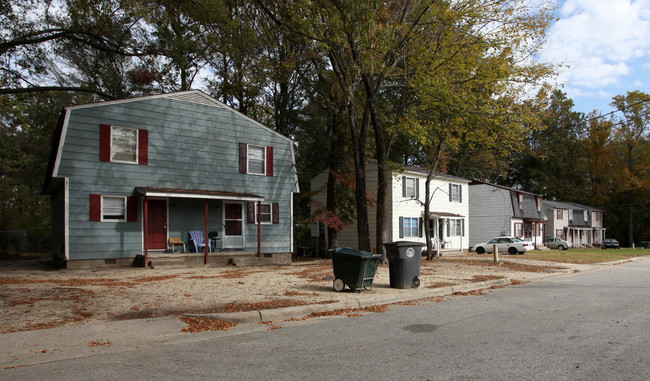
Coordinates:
510	245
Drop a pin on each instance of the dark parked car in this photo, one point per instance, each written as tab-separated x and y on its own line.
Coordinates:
611	243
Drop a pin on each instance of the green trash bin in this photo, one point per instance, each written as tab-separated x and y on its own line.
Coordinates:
404	263
354	268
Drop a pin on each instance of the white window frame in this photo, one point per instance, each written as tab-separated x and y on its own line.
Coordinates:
570	214
585	215
455	228
250	159
413	230
270	214
411	187
455	192
124	209
114	149
521	201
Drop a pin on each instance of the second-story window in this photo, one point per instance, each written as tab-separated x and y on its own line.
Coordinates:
410	187
124	145
570	214
521	201
559	214
585	215
256	160
455	193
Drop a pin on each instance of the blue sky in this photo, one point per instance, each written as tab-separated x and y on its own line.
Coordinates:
604	46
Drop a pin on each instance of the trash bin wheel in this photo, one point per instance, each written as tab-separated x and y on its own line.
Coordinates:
415	283
339	285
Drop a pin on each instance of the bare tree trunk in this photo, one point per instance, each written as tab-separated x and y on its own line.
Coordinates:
359	140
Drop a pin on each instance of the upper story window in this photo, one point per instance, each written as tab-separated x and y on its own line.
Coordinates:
123	145
455	193
411	187
560	214
597	216
538	201
521	201
257	160
570	214
254	159
585	215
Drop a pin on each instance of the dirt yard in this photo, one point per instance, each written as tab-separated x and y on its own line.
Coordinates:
32	297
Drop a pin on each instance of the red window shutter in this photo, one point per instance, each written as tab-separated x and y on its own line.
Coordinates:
95	207
243	166
276	213
269	161
143	147
132	209
250	212
104	142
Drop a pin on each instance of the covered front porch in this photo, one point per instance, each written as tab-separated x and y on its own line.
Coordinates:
201	227
447	231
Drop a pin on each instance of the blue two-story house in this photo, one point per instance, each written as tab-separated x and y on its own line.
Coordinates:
133	180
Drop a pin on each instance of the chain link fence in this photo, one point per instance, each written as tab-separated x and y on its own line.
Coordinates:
26	240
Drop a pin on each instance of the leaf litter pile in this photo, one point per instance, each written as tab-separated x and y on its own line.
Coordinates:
35	299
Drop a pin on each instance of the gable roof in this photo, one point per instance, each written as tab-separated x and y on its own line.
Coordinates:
569	205
440	175
190	96
477	182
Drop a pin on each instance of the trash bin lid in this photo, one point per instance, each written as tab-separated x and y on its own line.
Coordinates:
404	243
348	251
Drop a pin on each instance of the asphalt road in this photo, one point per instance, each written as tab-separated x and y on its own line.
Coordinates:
584	326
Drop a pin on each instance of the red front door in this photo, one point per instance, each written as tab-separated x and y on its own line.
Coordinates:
157	224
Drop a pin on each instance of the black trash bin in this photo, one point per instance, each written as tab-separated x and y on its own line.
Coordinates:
354	268
404	263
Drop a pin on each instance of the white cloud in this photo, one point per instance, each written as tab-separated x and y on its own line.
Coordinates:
597	39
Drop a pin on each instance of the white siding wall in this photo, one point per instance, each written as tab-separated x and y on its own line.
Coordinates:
406	207
399	207
562	223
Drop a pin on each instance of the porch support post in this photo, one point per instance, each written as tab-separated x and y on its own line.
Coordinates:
437	237
205	237
146	231
259	230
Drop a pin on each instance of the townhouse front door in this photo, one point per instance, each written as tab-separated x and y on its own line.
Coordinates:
233	237
157	224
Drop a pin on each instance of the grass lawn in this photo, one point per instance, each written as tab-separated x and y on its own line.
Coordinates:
583	255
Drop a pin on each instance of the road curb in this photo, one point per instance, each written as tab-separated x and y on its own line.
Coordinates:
297	312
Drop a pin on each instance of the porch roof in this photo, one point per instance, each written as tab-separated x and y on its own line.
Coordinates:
197	193
446	214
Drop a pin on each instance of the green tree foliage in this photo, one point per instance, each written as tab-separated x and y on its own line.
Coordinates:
553	162
631	133
467	73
